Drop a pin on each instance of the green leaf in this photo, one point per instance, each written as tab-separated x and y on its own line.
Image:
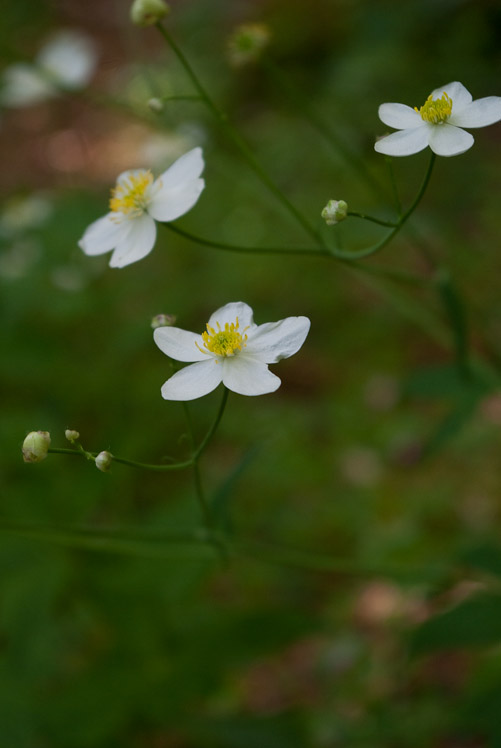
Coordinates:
486	557
473	623
434	382
453	422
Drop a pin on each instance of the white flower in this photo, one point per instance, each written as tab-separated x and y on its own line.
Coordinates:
137	202
68	60
437	123
233	350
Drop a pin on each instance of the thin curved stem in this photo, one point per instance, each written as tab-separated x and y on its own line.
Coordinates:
361	253
371	218
305	108
123	461
393	182
80	452
237	139
320	251
387	273
196	544
205	441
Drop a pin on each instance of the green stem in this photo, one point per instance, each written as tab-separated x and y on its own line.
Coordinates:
204	506
387	273
303	105
323	252
361	253
122	461
205	441
393	182
371	218
190	545
80	452
237	139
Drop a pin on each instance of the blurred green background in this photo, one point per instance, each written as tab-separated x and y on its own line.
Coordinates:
364	606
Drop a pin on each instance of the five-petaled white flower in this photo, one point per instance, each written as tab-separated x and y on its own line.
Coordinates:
137	202
67	61
233	350
437	123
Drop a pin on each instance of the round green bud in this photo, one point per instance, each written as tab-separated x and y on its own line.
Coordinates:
36	446
163	320
103	461
148	12
335	211
156	105
72	435
247	43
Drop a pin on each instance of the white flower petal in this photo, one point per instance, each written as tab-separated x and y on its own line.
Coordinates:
168	203
23	85
186	169
180	344
103	235
399	116
230	312
404	142
447	140
136	243
193	381
70	58
248	377
276	340
460	95
479	113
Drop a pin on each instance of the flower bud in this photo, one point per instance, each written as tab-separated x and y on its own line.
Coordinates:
36	446
72	435
247	42
156	105
163	320
148	12
103	461
335	211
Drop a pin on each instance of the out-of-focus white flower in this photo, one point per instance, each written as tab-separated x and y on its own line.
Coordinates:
21	214
437	123
160	149
233	350
137	202
148	12
18	259
67	61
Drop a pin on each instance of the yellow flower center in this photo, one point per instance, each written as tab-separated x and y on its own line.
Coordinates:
436	110
226	342
129	196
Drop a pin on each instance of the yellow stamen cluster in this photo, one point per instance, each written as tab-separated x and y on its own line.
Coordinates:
129	196
226	342
436	110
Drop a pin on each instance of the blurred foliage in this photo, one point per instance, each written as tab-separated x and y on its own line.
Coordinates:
376	452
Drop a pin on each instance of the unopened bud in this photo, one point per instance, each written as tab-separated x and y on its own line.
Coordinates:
103	461
335	211
156	105
148	12
247	43
71	435
36	446
163	320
